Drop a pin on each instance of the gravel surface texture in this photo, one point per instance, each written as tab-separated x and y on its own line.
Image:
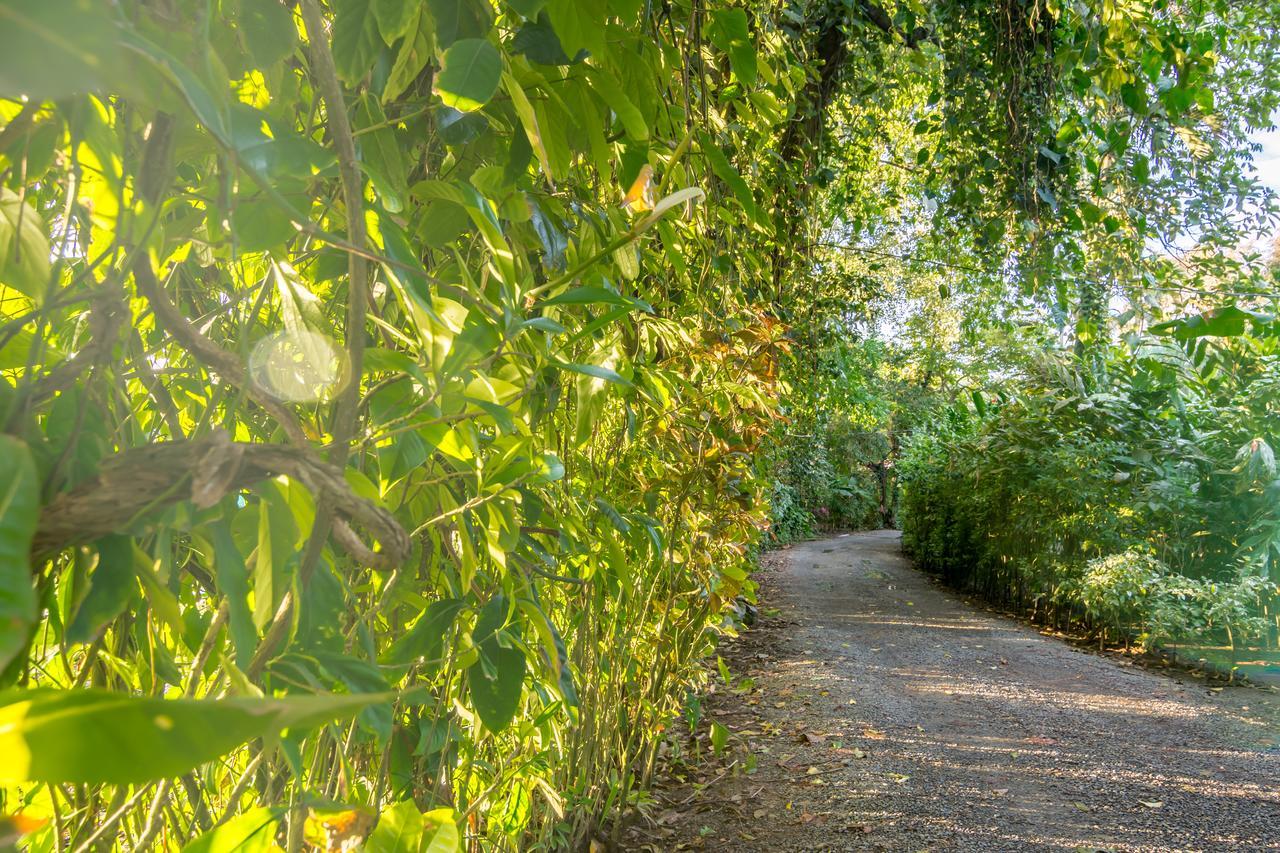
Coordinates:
890	714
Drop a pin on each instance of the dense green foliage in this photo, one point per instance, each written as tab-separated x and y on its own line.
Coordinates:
340	360
1135	492
392	392
833	457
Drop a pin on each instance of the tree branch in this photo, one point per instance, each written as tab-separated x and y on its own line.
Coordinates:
138	483
353	195
226	365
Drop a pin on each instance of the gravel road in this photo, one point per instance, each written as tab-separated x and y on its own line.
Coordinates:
890	714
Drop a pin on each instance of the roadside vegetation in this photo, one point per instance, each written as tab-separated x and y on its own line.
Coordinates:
1131	492
394	395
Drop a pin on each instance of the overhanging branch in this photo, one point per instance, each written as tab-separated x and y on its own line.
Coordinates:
136	484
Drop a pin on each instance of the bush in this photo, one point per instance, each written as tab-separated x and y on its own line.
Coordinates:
1127	497
789	519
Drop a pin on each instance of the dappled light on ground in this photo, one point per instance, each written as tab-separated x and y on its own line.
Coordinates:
886	714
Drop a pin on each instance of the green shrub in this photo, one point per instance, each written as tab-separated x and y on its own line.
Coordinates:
789	519
1133	496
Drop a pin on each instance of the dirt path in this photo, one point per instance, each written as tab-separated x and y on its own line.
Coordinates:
888	714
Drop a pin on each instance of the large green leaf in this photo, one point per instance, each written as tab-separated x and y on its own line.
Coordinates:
19	512
381	155
273	150
470	76
260	224
725	171
24	247
112	584
596	371
730	32
590	295
356	41
610	91
209	103
460	19
425	640
251	832
1228	321
277	546
497	678
395	17
268	30
399	830
538	41
232	578
577	22
54	48
361	676
440	832
414	54
98	736
403	829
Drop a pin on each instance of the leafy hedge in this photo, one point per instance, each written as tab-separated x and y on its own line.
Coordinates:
390	361
1132	493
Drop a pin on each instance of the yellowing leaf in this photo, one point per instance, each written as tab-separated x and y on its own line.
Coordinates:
639	196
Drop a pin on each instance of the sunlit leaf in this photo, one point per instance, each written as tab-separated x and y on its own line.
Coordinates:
251	832
19	510
96	736
470	76
24	247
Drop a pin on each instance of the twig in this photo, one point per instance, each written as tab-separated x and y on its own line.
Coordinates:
139	481
111	821
152	827
241	784
206	648
704	786
226	365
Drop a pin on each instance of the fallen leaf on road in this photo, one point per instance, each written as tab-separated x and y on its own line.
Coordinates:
1152	804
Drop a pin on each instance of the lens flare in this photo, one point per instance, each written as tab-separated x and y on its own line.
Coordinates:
299	366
